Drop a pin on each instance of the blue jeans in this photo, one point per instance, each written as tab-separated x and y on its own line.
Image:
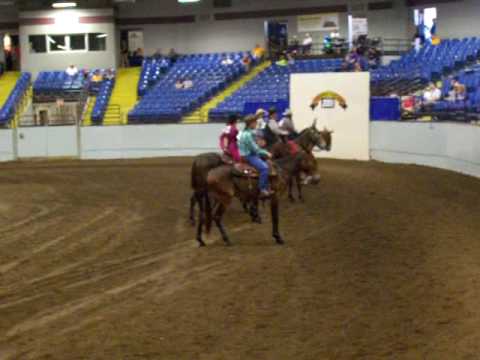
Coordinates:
262	168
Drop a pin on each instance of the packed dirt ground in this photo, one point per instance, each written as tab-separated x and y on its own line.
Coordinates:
98	261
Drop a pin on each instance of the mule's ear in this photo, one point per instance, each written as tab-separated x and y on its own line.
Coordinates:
314	125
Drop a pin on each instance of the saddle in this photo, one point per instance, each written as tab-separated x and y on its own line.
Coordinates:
245	170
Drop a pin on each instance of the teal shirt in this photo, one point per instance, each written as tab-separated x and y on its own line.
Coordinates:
247	144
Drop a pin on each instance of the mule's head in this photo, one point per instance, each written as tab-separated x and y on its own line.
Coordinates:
321	139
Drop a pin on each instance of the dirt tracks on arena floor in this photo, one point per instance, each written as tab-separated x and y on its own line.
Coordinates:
97	261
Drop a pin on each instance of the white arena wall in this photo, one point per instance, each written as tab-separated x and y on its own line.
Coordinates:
6	145
143	141
449	146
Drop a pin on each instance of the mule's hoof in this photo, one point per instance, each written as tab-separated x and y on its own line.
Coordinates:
201	244
292	200
257	220
228	243
279	240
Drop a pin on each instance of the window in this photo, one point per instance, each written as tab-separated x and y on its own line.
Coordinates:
57	42
38	43
97	42
77	42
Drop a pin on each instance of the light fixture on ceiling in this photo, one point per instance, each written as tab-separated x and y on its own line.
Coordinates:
64	5
188	1
100	36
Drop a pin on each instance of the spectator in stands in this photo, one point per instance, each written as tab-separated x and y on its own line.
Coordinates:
272	131
430	96
158	54
352	61
252	153
290	59
294	45
307	44
258	52
286	124
247	62
283	61
228	139
373	58
124	62
72	70
179	84
110	74
97	76
187	84
172	56
458	91
227	60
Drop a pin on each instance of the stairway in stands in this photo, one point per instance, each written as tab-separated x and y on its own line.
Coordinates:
87	117
201	115
124	96
7	82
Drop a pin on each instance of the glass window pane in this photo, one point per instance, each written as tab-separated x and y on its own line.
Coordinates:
77	42
57	42
38	43
97	42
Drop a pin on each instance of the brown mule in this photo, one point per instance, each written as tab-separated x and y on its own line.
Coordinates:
224	184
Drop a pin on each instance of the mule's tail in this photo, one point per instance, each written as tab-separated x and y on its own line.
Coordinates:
208	213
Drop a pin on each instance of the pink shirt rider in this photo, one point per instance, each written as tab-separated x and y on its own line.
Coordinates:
231	148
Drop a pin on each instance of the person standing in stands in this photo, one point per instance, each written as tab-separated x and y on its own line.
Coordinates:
173	56
272	131
228	139
307	44
252	153
258	52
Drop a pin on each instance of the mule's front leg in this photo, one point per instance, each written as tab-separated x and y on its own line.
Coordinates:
274	208
199	199
290	190
299	188
218	221
193	200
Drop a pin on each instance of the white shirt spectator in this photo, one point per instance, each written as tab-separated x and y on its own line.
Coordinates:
308	40
432	95
227	61
72	70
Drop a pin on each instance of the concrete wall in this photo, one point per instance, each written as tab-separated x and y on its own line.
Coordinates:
59	61
143	141
43	142
6	145
448	146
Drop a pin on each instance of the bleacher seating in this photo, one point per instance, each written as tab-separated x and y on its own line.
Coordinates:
271	86
102	100
164	103
8	110
152	69
415	69
51	85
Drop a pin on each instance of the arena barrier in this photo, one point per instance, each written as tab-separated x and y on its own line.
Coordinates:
450	146
143	141
6	145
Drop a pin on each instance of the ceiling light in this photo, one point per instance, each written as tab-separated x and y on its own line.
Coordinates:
102	36
64	5
188	1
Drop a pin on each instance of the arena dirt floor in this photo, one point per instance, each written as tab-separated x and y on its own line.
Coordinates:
97	261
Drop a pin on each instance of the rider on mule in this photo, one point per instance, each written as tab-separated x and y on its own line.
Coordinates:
251	152
272	131
228	139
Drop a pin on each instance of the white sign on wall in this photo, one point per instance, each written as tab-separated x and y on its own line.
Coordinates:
359	27
318	22
342	104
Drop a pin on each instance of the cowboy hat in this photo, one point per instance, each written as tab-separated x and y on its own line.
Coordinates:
287	112
260	111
